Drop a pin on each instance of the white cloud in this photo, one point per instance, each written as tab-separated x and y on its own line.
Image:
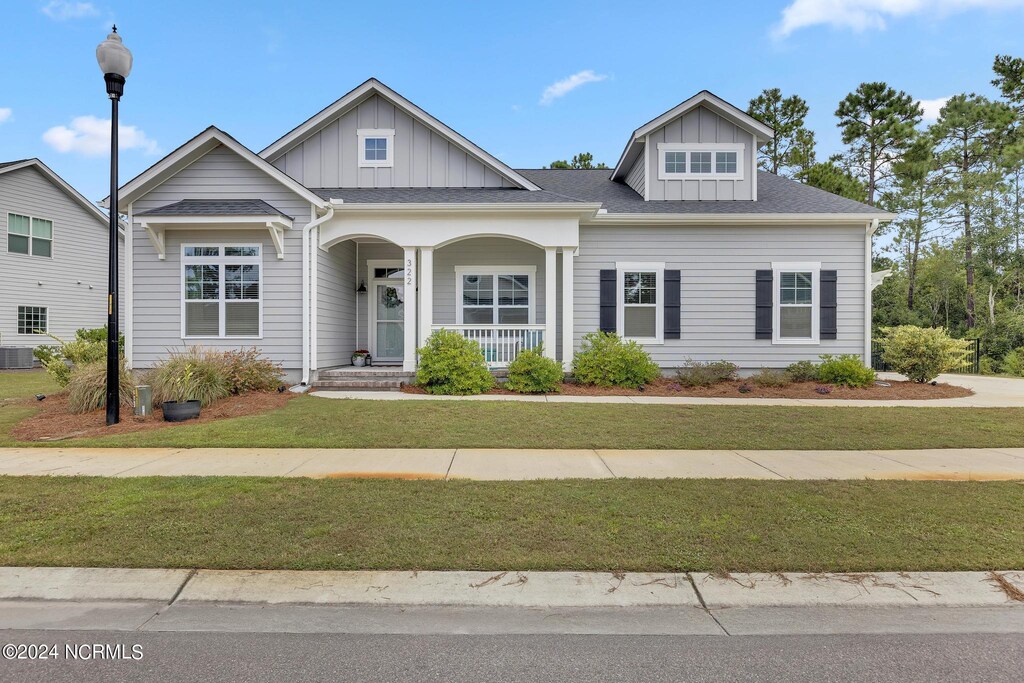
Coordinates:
62	10
567	85
5	114
860	15
90	136
932	107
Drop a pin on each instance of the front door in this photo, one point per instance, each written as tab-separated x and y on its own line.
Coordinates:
387	317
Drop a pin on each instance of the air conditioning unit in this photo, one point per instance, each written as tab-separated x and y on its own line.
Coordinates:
15	357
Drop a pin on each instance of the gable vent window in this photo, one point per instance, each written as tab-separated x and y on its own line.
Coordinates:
376	147
710	161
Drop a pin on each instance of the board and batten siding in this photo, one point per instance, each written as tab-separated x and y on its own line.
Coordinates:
220	174
701	125
72	285
718	265
422	157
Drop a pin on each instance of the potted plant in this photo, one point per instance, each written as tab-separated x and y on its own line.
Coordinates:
360	358
184	408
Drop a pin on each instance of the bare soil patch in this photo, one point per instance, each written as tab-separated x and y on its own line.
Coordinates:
896	391
54	422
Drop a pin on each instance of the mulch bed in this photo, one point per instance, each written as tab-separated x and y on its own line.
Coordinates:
897	391
54	422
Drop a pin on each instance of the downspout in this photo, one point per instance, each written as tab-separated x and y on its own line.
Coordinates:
306	263
868	233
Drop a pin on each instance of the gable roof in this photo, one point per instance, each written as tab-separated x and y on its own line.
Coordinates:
775	196
48	173
704	98
374	87
195	149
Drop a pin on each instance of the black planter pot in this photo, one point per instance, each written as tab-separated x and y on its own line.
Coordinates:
179	411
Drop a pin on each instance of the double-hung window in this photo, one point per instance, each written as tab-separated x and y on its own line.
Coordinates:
222	291
495	296
796	317
32	320
641	314
700	161
30	236
376	147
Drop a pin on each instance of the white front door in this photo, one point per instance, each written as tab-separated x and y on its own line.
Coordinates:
387	314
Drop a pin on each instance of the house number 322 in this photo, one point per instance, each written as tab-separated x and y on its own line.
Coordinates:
408	272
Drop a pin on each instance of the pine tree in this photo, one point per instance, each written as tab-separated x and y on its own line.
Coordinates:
786	116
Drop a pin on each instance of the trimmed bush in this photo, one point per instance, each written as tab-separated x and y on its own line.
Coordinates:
697	374
847	370
1013	363
922	353
803	371
87	387
450	364
767	377
205	369
533	373
605	360
249	370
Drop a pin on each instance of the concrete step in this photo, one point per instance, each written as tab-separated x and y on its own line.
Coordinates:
359	384
361	374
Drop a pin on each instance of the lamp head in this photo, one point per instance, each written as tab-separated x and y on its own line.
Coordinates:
115	62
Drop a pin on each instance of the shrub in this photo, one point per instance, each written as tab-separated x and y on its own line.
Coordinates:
803	371
606	360
847	370
87	388
986	365
248	370
1013	362
921	353
534	373
697	374
206	371
451	364
767	377
61	358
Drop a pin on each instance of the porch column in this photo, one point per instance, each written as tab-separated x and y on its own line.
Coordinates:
409	361
567	310
426	293
550	302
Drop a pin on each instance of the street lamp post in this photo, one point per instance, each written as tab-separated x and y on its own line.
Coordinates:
115	62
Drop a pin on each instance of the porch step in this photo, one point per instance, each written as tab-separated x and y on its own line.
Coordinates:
359	384
361	373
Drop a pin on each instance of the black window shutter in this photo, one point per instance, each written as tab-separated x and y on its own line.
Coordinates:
828	322
763	305
672	286
608	302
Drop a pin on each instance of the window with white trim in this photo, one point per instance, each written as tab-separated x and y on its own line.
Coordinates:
495	296
221	291
32	320
641	314
376	147
30	236
716	161
796	317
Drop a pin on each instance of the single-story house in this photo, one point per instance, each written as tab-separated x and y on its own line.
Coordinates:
372	224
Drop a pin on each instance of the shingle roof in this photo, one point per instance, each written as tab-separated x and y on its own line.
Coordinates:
442	195
12	163
775	194
215	207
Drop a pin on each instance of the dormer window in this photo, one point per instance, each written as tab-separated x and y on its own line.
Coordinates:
708	161
376	147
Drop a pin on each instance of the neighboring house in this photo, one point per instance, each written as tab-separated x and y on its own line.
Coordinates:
53	256
372	224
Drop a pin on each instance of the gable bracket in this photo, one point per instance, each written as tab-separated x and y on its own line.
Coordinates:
156	237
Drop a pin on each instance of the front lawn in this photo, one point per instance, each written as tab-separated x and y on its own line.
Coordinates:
637	525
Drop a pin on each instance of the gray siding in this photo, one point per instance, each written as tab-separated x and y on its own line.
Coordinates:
371	251
422	158
636	178
717	301
701	125
220	174
336	305
74	282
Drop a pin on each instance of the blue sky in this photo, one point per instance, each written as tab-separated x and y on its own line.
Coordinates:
257	69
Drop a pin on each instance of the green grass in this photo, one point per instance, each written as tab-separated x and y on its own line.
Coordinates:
638	525
24	383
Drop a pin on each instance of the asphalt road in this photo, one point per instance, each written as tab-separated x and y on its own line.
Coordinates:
204	656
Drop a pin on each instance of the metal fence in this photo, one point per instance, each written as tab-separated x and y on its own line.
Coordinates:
972	366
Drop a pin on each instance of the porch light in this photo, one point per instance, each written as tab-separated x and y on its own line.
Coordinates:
362	288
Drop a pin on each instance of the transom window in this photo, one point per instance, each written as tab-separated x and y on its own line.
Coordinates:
376	146
29	235
222	291
495	297
641	315
796	302
32	320
700	160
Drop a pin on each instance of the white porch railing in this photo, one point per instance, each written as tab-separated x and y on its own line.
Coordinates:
500	343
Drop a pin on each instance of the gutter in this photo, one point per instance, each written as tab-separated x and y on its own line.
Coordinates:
572	208
306	264
735	218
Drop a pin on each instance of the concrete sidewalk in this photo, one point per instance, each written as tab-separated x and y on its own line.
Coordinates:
512	465
989	392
